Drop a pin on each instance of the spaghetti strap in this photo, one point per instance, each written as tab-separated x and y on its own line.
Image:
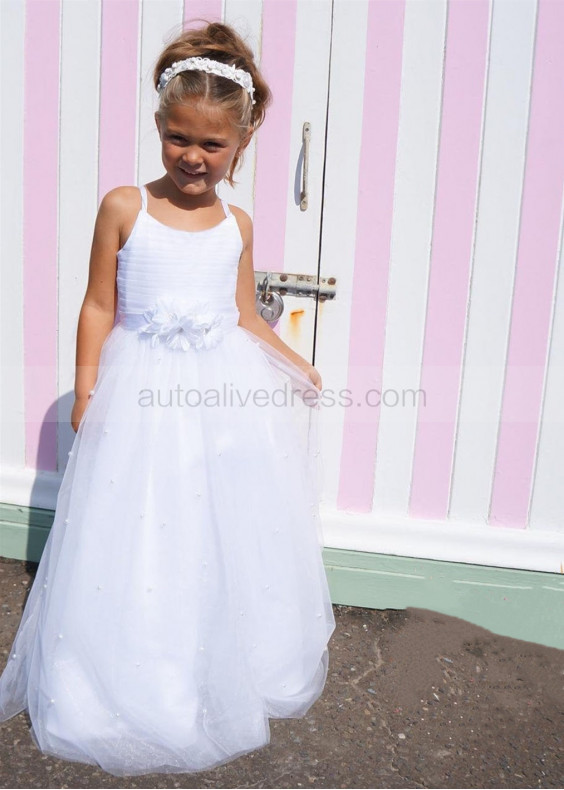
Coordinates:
225	207
143	190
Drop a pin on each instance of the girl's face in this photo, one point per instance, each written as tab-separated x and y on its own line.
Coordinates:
198	146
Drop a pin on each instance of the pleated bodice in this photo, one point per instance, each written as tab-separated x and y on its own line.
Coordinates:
160	262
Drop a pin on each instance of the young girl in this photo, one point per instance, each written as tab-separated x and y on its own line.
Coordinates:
181	598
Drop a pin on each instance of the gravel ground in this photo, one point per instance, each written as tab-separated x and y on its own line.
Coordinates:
413	699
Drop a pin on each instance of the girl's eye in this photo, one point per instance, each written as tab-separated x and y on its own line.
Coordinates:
181	141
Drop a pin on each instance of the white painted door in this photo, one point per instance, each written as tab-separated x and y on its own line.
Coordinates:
442	222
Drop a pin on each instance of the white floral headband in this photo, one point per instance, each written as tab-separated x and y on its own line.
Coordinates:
240	76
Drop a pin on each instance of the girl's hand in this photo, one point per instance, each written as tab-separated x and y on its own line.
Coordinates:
313	374
78	410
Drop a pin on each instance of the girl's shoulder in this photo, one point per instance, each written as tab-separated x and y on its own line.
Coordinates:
119	209
121	201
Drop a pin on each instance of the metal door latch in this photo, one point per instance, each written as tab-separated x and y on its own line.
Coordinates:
272	286
285	283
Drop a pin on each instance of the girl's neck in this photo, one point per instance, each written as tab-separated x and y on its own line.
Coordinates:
164	189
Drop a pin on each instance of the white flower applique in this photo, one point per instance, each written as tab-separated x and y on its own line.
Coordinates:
182	326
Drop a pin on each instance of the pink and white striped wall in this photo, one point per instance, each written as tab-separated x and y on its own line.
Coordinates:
447	178
436	200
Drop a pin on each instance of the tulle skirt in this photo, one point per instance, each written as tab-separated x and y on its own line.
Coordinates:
181	599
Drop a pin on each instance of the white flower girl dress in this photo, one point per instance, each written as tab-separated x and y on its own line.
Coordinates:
181	599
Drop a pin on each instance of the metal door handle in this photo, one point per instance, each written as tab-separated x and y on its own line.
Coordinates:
306	134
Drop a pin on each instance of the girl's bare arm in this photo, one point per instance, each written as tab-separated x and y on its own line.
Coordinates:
98	309
245	298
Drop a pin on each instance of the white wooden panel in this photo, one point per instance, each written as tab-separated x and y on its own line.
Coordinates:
495	253
12	28
416	165
536	550
339	224
78	189
547	502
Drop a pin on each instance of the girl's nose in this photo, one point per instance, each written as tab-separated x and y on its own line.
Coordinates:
193	155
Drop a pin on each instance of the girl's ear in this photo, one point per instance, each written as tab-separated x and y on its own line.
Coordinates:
157	121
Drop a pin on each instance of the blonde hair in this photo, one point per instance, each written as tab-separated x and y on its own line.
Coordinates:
220	42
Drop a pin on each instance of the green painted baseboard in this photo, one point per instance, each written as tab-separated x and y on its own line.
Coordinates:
517	603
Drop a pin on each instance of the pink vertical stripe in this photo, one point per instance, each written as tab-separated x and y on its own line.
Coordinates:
535	275
118	94
40	177
382	86
455	208
273	137
197	10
